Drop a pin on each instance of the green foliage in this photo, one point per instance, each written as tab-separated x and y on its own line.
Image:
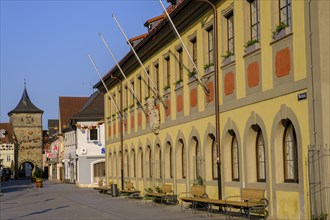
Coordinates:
166	87
322	216
280	27
148	190
227	54
158	189
191	73
38	173
199	181
251	42
178	82
207	66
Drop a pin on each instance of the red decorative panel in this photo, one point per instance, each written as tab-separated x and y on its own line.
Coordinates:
229	83
125	125
109	131
253	74
168	110
132	122
193	97
139	118
114	129
283	62
210	96
179	103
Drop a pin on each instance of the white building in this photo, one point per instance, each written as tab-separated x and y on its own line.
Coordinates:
70	155
90	141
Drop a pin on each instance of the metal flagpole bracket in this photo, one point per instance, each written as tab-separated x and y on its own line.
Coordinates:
185	48
122	73
111	98
153	88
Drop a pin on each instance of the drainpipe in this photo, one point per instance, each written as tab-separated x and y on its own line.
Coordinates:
313	98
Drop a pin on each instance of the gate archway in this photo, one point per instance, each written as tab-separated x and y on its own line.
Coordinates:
26	169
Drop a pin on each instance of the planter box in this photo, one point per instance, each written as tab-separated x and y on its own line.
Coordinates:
228	60
252	48
209	70
282	33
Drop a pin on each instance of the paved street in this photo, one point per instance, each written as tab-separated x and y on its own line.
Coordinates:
21	200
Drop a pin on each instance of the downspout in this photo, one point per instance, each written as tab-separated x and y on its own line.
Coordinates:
313	100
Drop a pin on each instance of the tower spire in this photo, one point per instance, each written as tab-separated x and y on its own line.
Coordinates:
24	83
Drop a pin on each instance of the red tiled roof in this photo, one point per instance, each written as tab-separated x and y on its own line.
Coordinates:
138	37
9	138
68	107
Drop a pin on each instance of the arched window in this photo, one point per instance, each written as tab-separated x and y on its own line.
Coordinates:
198	159
132	162
149	161
171	162
140	163
234	159
214	158
260	157
126	164
183	160
110	165
290	154
158	162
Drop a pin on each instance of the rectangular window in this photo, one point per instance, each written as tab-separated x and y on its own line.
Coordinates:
255	20
132	94
168	72
8	158
93	134
139	88
113	107
148	84
125	97
285	12
156	79
210	45
180	57
194	50
230	33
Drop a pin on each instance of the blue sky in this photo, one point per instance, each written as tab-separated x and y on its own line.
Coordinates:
47	43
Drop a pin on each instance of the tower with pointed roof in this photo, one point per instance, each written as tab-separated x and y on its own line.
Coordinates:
26	121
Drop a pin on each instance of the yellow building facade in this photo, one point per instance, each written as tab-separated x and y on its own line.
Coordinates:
267	117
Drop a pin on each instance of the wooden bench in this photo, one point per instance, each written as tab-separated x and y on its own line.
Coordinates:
103	189
251	201
165	196
130	191
196	194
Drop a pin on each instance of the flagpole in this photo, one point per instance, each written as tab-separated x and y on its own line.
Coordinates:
111	98
185	48
122	72
153	88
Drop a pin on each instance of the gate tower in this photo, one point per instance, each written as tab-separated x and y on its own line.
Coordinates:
26	120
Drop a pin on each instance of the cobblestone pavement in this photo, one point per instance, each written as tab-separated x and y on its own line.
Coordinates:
22	200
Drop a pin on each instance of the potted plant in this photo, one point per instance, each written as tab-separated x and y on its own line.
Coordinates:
227	57
38	177
199	181
178	83
208	67
251	45
280	30
166	88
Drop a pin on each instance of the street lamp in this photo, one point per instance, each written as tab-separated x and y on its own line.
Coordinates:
216	91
